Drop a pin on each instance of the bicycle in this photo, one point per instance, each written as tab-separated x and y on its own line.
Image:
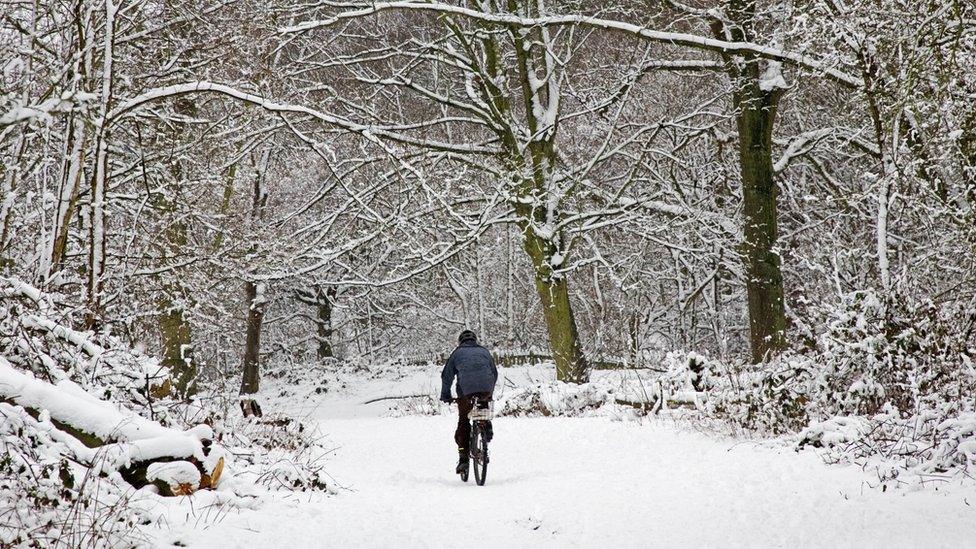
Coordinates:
480	415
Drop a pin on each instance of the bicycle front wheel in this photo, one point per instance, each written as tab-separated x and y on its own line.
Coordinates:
479	452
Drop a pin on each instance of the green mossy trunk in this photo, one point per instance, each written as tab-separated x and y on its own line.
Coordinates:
571	365
532	164
177	348
174	328
567	353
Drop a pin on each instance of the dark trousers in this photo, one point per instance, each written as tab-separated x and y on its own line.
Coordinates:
463	432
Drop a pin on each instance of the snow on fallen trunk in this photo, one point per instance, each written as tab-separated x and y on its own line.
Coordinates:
105	436
39	337
70	405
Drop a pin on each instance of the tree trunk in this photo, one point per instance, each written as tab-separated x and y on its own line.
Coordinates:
100	180
254	296
256	303
571	365
764	282
755	103
540	198
67	198
326	299
8	193
174	328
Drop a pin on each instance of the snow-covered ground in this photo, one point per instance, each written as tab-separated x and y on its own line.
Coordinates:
575	482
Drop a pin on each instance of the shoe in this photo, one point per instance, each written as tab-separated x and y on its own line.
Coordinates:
462	466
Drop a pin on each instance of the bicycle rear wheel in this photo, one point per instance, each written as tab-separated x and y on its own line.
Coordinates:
479	452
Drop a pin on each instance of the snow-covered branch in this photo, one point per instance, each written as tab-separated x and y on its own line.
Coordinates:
369	132
664	37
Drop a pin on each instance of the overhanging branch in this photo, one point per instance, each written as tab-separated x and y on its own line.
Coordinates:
674	38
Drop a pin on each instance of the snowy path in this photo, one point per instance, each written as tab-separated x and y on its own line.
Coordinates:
589	483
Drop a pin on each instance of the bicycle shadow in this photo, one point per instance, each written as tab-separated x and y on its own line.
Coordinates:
502	480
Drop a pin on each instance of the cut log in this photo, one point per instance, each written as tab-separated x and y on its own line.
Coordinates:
174	478
211	480
250	407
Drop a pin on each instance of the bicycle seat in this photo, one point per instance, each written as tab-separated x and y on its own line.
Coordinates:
482	410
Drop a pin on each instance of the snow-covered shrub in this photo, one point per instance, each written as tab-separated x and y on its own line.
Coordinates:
276	451
956	445
690	372
836	431
929	445
553	399
771	398
877	352
890	385
874	356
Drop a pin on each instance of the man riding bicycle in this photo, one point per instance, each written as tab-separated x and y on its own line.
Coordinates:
476	376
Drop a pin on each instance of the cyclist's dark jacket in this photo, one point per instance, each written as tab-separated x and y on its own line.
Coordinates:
474	368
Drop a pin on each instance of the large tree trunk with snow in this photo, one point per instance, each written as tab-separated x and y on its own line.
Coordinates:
755	97
174	327
764	282
571	364
177	346
547	251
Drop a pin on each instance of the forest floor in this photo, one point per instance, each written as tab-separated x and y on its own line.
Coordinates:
575	482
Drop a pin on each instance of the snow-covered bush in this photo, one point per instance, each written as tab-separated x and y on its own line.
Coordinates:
276	451
553	399
888	384
771	398
877	352
931	445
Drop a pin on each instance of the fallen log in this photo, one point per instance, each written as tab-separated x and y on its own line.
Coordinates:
103	436
655	401
642	406
396	397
